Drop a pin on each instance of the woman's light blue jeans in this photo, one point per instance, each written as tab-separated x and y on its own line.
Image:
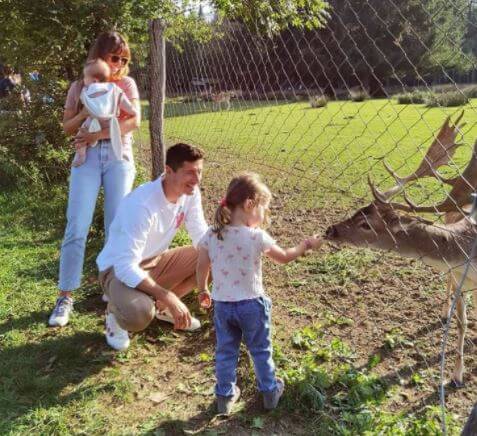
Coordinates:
100	169
250	321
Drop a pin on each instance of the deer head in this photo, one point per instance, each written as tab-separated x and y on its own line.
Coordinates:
379	224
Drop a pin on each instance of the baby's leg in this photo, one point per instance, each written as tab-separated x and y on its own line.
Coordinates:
80	157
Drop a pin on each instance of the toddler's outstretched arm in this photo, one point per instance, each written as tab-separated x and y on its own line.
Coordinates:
202	272
286	255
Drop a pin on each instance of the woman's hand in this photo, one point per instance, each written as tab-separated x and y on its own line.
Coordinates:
204	300
84	138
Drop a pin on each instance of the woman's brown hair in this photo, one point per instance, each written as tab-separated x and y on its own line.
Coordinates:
111	43
246	186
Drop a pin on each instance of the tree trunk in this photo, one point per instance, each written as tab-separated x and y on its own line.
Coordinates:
157	94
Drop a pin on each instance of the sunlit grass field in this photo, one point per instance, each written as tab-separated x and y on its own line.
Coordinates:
332	148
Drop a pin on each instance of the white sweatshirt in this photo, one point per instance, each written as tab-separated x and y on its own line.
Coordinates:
144	226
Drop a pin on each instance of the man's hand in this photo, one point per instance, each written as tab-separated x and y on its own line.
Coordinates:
204	300
179	311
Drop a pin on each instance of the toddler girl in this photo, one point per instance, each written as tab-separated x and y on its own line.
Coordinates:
233	247
102	100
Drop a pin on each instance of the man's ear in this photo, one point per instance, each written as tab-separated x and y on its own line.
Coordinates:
168	170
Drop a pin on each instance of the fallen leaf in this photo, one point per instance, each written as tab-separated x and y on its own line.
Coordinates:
157	397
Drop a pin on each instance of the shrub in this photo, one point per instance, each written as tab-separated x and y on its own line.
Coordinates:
414	97
447	99
358	95
470	91
33	145
317	101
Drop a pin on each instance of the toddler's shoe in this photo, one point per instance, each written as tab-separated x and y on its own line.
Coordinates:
270	399
225	404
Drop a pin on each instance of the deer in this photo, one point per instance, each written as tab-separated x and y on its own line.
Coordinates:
219	98
392	226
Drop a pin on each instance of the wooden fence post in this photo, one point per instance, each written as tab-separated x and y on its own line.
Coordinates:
157	94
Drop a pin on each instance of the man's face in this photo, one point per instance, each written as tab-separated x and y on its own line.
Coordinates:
187	177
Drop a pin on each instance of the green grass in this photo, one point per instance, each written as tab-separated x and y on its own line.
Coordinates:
63	381
332	148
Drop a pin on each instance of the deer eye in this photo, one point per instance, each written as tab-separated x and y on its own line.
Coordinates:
365	226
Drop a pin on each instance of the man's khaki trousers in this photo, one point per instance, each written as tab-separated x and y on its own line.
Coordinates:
174	270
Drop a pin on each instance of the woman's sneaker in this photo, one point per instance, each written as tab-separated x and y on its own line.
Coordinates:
165	315
270	399
116	337
225	404
61	313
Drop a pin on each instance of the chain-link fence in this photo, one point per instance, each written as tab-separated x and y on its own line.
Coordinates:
384	95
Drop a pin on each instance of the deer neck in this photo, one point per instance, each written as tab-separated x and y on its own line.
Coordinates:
440	246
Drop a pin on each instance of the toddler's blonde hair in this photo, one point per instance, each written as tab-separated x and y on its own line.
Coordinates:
245	186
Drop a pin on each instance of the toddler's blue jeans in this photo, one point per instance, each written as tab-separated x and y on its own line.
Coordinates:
250	321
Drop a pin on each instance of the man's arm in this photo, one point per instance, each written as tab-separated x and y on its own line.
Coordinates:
135	231
179	311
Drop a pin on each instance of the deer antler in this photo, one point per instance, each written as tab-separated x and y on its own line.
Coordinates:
439	154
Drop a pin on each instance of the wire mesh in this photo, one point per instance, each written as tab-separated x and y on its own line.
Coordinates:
318	111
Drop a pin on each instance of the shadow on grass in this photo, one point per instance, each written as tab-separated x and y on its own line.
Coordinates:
35	375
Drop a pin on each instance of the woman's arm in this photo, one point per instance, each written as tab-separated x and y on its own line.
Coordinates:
83	137
72	120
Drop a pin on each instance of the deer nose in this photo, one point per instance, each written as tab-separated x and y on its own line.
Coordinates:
331	232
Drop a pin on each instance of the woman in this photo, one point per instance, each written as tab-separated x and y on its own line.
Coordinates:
101	168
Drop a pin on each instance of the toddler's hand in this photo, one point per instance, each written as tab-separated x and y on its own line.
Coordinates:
314	243
204	300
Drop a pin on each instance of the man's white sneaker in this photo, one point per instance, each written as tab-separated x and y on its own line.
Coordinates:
105	298
61	313
116	337
165	315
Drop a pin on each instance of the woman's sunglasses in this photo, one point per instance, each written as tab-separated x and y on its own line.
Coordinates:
115	59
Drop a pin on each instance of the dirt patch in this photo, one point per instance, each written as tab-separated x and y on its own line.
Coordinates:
394	305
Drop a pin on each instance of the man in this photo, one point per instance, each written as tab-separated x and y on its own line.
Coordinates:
141	277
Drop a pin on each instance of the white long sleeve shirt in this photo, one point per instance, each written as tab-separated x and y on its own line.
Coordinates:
144	226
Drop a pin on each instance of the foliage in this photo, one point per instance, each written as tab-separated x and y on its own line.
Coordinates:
358	95
343	399
447	99
272	17
414	97
34	147
470	91
317	101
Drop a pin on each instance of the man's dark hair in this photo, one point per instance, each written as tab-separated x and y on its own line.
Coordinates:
180	153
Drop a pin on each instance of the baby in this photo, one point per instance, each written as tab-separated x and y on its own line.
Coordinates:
102	100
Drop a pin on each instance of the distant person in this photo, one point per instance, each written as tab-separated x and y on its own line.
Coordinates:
242	311
9	81
101	169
